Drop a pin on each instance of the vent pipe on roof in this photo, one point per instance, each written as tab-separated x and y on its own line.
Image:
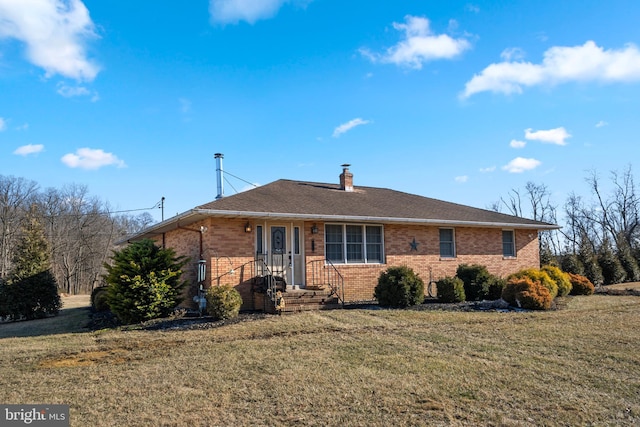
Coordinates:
219	157
346	178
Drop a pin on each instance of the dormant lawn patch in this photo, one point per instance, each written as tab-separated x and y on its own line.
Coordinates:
575	366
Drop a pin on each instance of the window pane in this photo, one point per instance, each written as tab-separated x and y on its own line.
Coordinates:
355	243
374	244
508	247
333	243
447	248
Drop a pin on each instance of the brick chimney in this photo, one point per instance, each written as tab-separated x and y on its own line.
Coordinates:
346	178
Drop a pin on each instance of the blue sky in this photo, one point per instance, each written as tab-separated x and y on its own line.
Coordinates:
456	100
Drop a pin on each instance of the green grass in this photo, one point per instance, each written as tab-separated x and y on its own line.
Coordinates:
575	366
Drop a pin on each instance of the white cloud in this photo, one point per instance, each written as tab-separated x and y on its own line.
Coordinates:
472	8
233	11
520	164
73	91
560	64
461	179
89	158
601	123
3	124
487	170
25	150
345	127
512	53
517	144
552	136
419	45
55	33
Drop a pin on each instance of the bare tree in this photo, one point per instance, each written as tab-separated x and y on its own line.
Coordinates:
534	203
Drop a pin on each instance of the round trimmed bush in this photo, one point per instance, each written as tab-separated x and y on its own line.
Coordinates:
99	299
526	293
560	277
581	285
537	275
476	280
451	289
223	302
399	287
495	288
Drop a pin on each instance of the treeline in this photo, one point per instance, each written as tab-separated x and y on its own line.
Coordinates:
600	235
80	230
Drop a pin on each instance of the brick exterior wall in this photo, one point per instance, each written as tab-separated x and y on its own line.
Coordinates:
473	246
226	246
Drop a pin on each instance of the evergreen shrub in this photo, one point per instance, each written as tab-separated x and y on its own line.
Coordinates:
580	285
479	284
144	282
560	277
496	285
537	275
451	289
526	293
223	302
476	281
99	298
399	287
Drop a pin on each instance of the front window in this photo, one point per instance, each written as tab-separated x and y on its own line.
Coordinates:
508	244
355	244
334	243
447	243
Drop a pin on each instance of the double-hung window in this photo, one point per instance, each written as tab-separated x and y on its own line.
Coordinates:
508	244
352	243
447	243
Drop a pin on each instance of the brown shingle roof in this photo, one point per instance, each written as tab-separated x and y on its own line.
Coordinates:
297	199
286	199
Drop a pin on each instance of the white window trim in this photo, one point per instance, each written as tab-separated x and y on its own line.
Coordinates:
364	243
513	244
453	236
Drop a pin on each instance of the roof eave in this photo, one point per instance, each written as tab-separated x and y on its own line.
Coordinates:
356	218
194	215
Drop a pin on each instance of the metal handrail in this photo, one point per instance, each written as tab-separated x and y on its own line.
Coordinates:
323	272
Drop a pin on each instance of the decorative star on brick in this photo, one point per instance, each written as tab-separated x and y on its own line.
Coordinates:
414	245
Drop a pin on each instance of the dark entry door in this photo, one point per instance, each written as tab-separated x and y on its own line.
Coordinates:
279	254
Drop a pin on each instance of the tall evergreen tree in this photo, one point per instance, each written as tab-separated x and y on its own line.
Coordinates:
31	255
589	261
612	270
629	263
31	291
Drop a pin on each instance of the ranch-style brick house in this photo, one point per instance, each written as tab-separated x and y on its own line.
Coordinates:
297	245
